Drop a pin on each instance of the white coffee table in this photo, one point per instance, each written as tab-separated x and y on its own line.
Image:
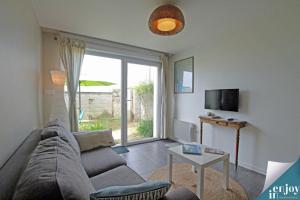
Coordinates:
199	162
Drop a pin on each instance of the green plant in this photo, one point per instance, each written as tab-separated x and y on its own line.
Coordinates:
145	128
92	126
105	114
144	89
145	92
100	124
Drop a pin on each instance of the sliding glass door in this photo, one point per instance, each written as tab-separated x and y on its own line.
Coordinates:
142	95
121	94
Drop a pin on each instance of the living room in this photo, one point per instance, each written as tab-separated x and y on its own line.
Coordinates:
112	70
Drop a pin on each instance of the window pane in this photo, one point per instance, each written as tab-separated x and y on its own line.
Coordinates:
99	102
141	105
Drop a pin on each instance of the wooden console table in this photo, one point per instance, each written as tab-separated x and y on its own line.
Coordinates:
225	123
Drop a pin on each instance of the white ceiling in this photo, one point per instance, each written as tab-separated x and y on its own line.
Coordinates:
126	21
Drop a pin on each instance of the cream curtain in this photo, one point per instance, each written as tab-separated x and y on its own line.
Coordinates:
163	89
71	53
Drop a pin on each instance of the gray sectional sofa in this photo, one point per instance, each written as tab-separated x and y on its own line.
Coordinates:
102	166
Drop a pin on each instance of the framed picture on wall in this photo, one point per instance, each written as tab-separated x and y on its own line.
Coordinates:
184	76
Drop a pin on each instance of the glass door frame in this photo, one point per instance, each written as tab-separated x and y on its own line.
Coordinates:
124	80
156	123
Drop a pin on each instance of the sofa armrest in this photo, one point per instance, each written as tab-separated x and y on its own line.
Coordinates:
180	193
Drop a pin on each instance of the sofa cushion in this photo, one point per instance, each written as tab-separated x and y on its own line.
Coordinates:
153	190
54	172
64	134
89	140
100	160
119	176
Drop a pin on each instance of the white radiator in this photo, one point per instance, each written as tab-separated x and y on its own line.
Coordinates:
184	131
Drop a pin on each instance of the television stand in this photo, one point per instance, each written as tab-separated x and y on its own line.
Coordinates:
237	125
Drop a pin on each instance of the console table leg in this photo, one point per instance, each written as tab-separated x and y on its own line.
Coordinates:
170	163
237	148
201	132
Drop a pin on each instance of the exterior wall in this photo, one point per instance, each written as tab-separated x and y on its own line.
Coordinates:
108	104
96	105
116	103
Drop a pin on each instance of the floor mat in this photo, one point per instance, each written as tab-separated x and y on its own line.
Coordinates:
120	149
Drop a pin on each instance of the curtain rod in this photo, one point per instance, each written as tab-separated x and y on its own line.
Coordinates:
107	42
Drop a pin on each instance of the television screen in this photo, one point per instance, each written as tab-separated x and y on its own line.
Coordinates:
213	99
222	99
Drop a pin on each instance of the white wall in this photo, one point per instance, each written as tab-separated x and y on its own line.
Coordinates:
262	59
20	44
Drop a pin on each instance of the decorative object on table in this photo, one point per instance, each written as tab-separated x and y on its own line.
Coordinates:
191	149
184	76
120	149
166	20
216	117
210	114
213	190
213	151
154	190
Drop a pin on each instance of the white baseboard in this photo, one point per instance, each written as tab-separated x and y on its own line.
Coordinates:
178	140
253	168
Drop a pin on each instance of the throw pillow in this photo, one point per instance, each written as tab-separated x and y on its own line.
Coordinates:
91	140
149	190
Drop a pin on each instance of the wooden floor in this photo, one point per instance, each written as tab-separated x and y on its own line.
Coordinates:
146	158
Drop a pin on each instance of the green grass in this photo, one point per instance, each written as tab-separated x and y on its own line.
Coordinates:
145	128
142	129
100	124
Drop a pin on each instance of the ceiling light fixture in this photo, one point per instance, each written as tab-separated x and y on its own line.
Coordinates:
166	20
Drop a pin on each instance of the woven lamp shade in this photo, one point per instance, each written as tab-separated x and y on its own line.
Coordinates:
166	20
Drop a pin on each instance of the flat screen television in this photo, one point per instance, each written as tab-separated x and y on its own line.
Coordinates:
222	99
